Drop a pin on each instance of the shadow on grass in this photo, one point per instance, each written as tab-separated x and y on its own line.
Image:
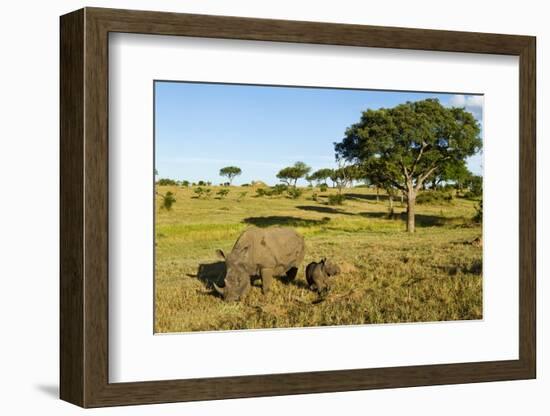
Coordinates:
287	221
209	273
368	197
421	220
323	209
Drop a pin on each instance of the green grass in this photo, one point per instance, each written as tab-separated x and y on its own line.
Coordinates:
388	275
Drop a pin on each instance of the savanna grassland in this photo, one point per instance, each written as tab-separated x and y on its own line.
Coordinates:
388	275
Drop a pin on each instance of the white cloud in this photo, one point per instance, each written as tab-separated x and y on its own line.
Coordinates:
472	103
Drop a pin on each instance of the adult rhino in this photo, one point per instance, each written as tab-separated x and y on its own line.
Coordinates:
263	252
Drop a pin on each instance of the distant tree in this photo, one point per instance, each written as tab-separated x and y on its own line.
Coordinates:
201	183
185	184
168	200
291	174
321	175
475	184
230	172
407	144
455	172
166	182
344	175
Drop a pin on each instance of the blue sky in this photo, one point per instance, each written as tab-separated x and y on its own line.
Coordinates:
201	127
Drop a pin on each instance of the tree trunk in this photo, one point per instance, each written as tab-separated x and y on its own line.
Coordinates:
411	202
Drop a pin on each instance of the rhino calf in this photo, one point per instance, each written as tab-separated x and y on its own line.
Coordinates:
263	252
318	274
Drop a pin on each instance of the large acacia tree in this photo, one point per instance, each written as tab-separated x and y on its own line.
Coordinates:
407	144
230	172
291	174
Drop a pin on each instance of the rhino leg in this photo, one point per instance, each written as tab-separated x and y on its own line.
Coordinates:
267	278
291	273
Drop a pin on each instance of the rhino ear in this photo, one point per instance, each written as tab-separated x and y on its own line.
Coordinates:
324	260
220	253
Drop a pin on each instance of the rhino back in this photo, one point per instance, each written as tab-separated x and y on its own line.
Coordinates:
269	247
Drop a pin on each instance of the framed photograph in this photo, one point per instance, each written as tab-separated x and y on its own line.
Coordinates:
254	207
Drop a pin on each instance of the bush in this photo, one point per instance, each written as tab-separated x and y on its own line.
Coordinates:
278	189
336	199
207	193
294	193
241	196
434	197
201	183
199	191
245	184
222	193
167	201
478	218
166	181
263	192
314	196
323	187
185	184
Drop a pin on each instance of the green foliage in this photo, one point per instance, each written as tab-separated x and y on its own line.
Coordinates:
168	200
434	197
291	174
230	172
185	184
166	181
323	187
201	183
242	195
314	196
478	218
475	186
294	193
321	175
408	144
278	189
336	199
199	191
245	184
263	192
222	193
207	193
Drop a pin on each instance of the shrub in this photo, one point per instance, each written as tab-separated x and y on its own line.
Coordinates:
245	184
199	191
166	181
241	196
434	197
278	189
323	187
201	183
222	193
185	184
478	218
336	199
262	192
168	200
294	193
314	196
207	193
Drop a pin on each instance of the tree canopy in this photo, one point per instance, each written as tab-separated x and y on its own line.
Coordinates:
230	172
407	144
291	174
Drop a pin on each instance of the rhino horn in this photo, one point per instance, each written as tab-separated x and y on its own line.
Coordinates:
220	290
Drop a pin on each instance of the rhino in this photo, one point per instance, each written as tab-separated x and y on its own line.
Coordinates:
318	274
264	253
